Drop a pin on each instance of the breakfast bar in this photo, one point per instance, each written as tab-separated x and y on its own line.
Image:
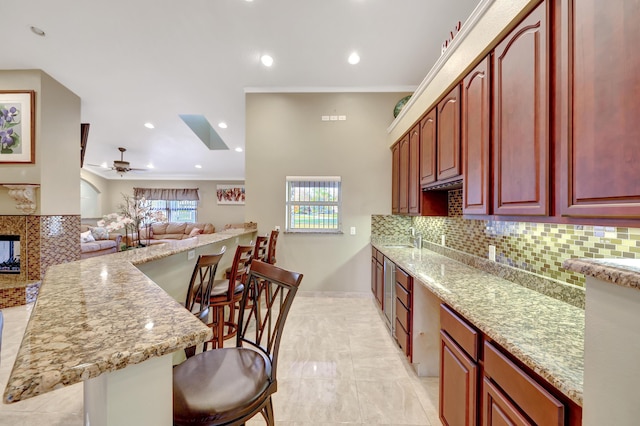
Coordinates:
103	322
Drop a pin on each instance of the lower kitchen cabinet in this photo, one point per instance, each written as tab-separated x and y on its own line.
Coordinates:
377	275
403	310
511	397
458	370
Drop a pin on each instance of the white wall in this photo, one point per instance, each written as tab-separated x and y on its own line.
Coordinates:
285	136
57	139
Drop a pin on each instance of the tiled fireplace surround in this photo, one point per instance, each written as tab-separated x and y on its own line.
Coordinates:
530	254
44	241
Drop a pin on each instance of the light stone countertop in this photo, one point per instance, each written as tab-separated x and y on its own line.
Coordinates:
622	272
102	314
547	335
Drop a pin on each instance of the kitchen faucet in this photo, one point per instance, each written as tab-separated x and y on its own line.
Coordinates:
416	237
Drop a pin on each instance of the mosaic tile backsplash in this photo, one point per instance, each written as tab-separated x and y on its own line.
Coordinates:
538	248
534	248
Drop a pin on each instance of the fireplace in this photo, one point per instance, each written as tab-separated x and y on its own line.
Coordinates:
9	254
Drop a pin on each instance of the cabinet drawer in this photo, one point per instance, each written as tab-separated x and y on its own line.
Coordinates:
380	257
403	315
403	279
403	295
462	333
403	338
538	404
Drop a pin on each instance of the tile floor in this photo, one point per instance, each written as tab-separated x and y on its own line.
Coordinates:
338	365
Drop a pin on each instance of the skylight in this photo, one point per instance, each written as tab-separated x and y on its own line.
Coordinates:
204	131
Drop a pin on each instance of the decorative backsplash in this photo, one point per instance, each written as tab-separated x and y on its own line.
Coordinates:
536	248
45	241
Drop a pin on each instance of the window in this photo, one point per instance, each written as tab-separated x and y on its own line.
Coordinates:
314	204
177	211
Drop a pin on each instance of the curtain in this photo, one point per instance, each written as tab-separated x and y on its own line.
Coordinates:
171	194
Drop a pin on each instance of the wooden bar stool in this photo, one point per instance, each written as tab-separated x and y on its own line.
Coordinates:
271	251
225	294
231	385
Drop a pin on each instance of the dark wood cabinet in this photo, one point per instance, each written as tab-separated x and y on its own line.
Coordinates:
476	123
599	108
448	137
377	275
403	176
428	148
511	396
403	310
414	170
395	178
521	118
458	370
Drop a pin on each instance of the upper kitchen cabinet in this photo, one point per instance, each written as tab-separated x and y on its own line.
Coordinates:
414	170
395	178
476	141
521	118
428	148
599	108
403	178
448	147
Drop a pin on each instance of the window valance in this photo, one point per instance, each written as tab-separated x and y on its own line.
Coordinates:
171	194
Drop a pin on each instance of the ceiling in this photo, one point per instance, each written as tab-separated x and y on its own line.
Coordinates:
138	61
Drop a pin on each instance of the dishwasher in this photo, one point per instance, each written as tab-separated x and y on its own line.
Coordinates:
388	304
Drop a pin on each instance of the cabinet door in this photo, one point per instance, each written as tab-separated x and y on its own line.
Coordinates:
498	410
476	139
448	146
428	148
395	179
373	273
458	384
414	170
403	176
600	109
379	282
520	117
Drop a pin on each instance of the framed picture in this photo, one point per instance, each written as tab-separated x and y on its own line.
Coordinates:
17	126
230	194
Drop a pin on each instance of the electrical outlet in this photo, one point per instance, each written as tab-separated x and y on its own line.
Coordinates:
191	254
444	240
277	228
353	230
492	253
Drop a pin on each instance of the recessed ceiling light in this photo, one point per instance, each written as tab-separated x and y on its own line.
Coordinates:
222	125
37	31
198	166
150	166
238	149
266	60
149	125
354	58
104	165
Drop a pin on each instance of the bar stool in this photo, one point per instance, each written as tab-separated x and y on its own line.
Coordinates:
231	385
262	249
271	251
201	285
225	294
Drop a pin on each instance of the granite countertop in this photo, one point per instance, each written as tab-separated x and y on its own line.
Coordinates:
622	272
545	334
102	314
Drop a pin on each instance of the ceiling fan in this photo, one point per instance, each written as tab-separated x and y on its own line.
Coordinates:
121	166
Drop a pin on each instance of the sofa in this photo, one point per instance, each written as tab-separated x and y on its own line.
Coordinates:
162	232
96	241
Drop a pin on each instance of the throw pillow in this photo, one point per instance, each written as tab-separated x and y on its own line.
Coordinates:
100	233
195	231
86	237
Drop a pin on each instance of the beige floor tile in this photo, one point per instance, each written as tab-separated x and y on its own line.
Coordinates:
338	366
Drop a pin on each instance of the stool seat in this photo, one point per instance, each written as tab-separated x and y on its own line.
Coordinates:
237	377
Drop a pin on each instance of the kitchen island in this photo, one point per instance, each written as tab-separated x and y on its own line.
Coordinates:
545	334
104	322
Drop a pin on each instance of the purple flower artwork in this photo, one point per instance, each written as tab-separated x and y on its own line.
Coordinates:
17	126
